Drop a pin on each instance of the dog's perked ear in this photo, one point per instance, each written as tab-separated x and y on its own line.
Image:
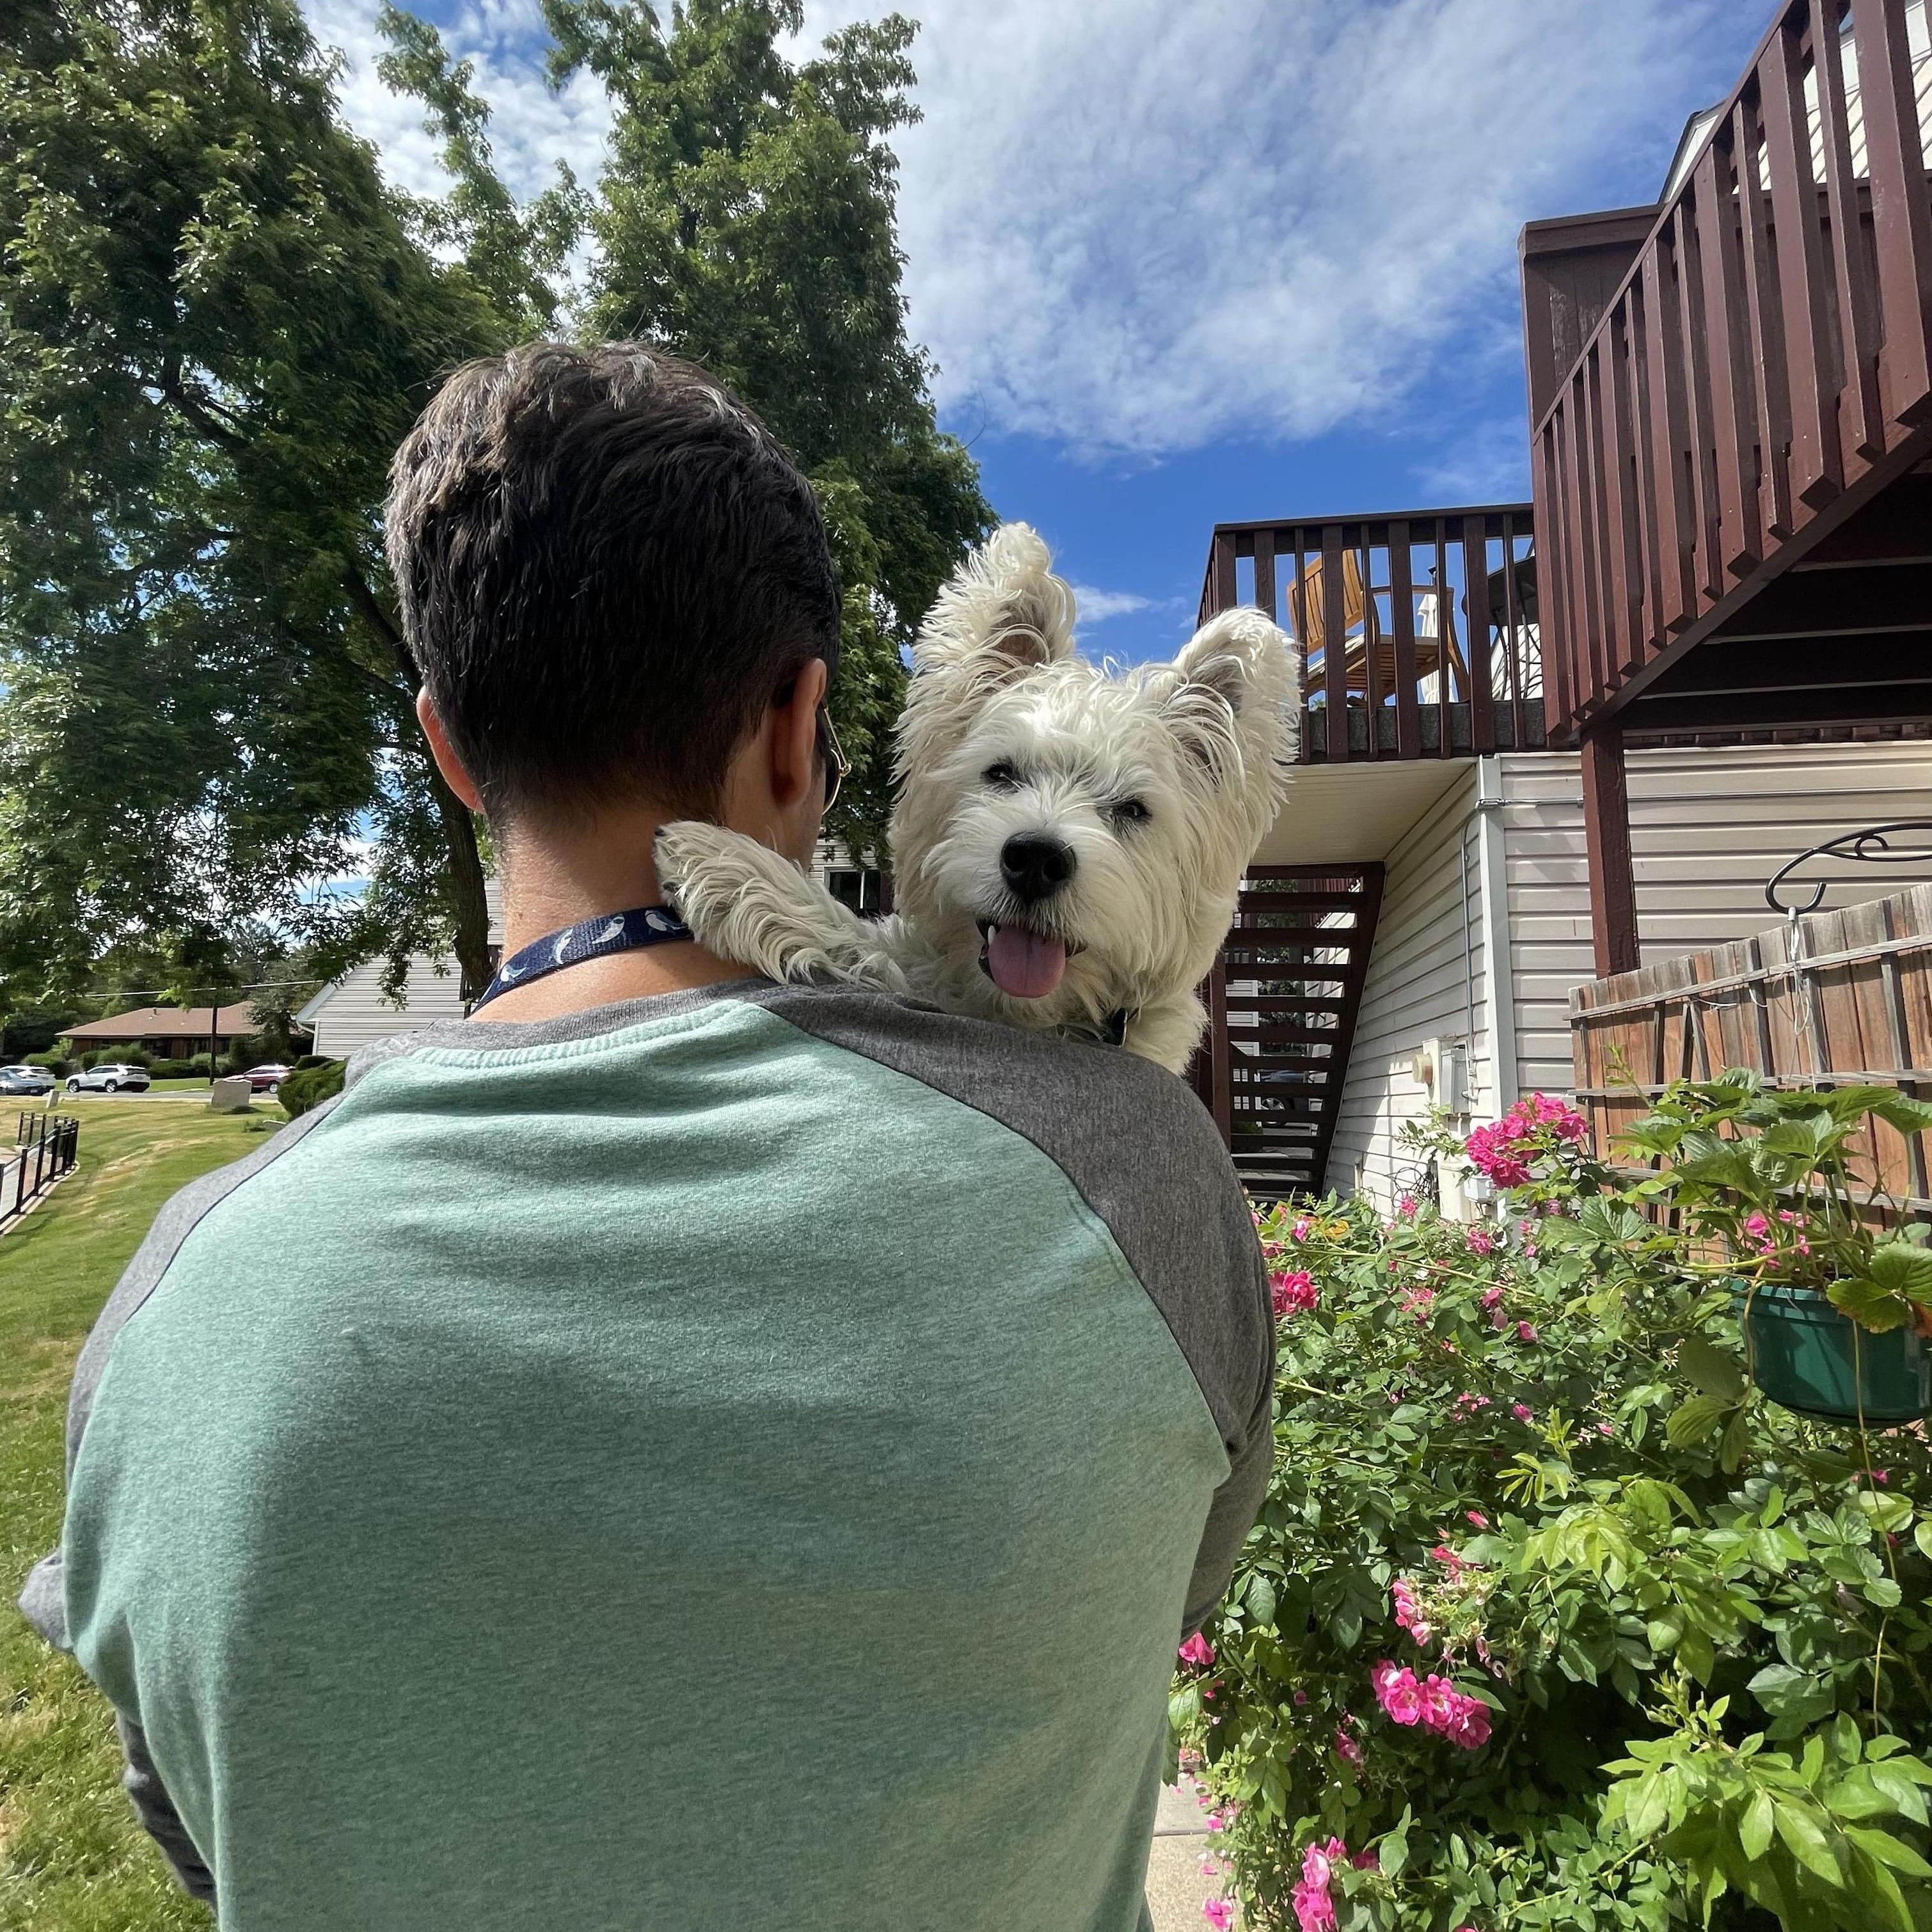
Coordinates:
1000	615
1233	703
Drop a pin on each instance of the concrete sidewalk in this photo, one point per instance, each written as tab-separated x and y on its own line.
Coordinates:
1175	1889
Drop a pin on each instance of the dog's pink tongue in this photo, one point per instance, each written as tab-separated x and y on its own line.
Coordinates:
1022	963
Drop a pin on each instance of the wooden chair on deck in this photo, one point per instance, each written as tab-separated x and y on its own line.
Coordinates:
1362	631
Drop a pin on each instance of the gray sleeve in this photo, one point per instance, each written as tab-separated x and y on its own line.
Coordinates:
1237	1503
41	1601
1142	1152
157	1812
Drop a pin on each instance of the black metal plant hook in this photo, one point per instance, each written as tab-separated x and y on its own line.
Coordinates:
1871	845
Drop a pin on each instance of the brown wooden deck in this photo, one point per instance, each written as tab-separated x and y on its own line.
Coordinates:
1397	659
1751	404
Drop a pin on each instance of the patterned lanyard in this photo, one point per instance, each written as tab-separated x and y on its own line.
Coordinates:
588	939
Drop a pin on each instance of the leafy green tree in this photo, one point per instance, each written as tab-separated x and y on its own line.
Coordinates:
216	322
747	219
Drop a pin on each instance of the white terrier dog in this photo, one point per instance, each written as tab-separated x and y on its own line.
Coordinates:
1067	846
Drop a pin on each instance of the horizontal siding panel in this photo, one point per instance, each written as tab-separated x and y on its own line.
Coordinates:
1709	826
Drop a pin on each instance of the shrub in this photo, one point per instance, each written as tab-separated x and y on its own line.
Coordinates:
1549	1618
53	1061
310	1082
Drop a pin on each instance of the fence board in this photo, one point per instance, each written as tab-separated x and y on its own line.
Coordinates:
1837	998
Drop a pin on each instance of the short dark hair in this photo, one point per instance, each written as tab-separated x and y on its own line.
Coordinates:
607	568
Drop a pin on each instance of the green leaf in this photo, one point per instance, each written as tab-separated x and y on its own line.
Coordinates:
1896	1110
1787	1692
1261	1598
1712	1368
1888	1850
1696	1419
1806	1842
1891	1781
1754	1828
1903	1269
1922	1535
1870	1304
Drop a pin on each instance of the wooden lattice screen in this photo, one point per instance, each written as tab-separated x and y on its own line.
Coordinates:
1834	998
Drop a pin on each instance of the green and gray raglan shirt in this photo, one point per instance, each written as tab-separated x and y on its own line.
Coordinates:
739	1459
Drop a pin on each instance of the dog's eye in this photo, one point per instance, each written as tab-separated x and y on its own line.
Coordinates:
1001	777
1128	812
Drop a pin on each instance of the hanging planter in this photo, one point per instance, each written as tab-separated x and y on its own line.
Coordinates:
1806	1354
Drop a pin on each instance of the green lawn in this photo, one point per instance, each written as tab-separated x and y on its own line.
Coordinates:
72	1858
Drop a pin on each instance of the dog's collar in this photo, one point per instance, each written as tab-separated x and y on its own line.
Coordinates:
1115	1032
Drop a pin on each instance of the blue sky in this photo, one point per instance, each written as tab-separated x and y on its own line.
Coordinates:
1227	259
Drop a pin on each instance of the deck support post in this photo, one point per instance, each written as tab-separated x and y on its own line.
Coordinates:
1607	840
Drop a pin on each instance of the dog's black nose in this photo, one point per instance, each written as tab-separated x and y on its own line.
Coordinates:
1034	866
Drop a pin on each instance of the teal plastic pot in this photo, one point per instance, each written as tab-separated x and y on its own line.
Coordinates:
1808	1356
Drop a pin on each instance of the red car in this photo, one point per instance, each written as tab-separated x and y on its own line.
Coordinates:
265	1079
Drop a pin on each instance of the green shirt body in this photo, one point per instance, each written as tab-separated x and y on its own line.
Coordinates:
741	1460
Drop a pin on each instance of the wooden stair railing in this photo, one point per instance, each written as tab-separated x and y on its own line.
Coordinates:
1282	1002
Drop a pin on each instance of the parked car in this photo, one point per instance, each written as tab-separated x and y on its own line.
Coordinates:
265	1079
110	1077
16	1080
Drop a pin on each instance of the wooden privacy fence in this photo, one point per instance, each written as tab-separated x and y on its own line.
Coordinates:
1834	999
1770	349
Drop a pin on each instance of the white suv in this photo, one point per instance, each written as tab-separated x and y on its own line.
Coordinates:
110	1077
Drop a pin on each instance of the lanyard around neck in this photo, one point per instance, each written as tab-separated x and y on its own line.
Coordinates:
588	939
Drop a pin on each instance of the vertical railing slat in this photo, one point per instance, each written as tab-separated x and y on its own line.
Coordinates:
1861	419
1334	644
1766	329
1733	399
1476	596
1817	474
1631	555
1372	677
1706	561
1402	626
1670	443
1901	219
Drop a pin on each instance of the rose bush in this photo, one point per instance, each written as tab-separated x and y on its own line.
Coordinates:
1550	1619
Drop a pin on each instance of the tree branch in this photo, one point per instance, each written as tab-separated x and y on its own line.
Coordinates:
199	409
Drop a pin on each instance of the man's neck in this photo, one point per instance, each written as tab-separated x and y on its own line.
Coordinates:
552	880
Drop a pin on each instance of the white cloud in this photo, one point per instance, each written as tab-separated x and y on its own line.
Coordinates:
1133	227
1095	607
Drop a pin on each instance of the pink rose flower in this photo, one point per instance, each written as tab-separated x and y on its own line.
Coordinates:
1492	1297
1397	1692
1218	1913
1479	1241
1314	1909
1478	1518
1406	1207
1346	1747
1525	1331
1522	1412
1197	1650
1294	1292
1439	1701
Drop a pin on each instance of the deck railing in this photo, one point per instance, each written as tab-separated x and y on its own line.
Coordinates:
1769	351
1397	659
46	1147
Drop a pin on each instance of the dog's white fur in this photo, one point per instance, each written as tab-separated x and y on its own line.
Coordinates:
1202	744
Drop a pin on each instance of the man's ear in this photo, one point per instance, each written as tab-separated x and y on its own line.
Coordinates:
1233	701
1002	616
457	779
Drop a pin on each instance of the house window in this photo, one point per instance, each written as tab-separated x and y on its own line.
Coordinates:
862	889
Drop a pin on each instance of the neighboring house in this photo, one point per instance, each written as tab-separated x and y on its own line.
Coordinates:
168	1033
1546	742
352	1011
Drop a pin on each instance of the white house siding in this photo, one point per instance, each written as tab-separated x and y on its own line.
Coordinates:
1708	828
1425	978
353	1012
